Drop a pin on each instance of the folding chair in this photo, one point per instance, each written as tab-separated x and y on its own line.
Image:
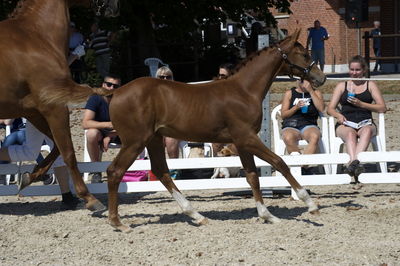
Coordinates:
279	144
378	141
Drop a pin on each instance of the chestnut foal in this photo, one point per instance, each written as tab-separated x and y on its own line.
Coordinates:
225	111
35	80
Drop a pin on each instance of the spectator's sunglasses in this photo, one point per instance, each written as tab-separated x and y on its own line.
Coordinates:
110	84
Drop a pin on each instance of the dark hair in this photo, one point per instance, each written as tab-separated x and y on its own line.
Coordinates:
359	59
112	76
228	66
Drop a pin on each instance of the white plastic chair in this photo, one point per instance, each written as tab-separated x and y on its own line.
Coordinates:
208	150
279	144
378	142
153	64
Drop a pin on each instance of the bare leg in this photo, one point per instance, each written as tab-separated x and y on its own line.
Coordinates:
172	146
349	136
291	139
364	134
253	145
93	137
253	179
160	168
312	136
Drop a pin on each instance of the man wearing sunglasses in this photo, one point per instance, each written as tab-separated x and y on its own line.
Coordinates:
96	122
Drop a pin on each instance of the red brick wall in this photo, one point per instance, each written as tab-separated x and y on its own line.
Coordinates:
343	41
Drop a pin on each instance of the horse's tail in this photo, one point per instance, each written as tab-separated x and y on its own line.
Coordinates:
70	92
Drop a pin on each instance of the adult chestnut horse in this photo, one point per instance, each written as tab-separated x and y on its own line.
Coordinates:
35	80
146	109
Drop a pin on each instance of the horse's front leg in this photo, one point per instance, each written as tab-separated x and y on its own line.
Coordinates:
253	180
115	172
253	145
160	168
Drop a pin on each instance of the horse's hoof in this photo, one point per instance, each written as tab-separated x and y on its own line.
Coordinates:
120	227
202	221
313	209
123	228
96	207
273	219
24	181
315	212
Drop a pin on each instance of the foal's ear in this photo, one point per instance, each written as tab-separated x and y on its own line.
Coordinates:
296	34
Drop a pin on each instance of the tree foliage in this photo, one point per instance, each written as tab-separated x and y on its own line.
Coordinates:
170	29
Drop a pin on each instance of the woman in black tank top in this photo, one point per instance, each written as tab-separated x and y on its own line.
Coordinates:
357	99
299	125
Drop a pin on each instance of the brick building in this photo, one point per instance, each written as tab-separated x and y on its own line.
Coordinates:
345	37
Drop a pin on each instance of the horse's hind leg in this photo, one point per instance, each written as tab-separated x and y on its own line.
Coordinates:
252	178
160	168
58	121
125	158
253	145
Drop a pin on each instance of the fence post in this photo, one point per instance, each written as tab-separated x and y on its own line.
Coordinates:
265	133
367	55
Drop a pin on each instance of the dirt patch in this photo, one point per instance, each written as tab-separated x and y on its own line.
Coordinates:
355	227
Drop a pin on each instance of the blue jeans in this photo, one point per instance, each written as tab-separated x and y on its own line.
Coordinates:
17	138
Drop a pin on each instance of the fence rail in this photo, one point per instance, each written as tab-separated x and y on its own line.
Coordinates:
230	183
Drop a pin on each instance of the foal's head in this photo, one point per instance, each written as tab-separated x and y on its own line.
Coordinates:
298	62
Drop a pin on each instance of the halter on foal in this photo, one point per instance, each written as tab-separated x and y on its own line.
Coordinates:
35	81
146	109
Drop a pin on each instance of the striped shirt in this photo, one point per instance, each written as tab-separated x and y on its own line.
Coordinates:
100	43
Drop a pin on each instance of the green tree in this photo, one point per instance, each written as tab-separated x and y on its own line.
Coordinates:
170	30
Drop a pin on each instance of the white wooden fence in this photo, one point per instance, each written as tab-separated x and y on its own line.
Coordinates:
230	183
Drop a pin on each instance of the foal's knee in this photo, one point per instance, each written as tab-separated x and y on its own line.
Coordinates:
114	176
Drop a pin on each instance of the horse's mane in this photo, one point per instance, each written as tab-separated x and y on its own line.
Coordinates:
242	63
19	9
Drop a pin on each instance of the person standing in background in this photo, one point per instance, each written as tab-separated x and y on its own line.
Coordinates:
75	62
100	43
377	44
317	35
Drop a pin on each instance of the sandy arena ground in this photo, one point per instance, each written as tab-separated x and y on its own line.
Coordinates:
355	226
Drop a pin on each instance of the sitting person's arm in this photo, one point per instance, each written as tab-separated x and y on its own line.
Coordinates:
379	106
331	110
89	122
317	98
286	111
